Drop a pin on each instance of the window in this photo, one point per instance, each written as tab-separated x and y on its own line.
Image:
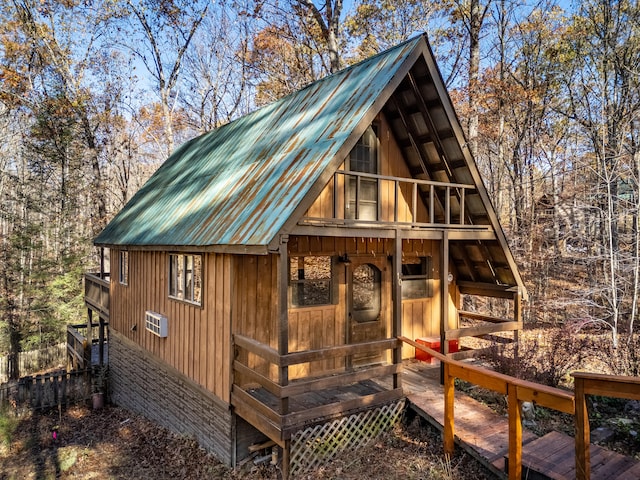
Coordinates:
310	281
366	293
416	278
361	192
185	277
123	267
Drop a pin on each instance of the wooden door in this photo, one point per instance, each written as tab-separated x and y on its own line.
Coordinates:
366	304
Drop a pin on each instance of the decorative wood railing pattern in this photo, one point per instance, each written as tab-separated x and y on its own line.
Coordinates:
283	419
519	391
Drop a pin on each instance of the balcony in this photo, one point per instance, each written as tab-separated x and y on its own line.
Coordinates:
96	293
364	199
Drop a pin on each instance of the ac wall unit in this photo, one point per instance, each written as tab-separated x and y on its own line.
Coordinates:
156	323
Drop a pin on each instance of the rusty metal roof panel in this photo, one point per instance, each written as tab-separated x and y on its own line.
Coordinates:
238	184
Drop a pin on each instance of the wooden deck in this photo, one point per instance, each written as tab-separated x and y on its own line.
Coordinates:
484	434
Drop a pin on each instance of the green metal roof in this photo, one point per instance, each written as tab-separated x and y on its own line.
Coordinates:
240	183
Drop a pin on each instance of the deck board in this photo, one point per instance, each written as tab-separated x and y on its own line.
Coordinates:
484	434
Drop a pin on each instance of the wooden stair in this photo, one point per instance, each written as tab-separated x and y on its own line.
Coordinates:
553	457
484	434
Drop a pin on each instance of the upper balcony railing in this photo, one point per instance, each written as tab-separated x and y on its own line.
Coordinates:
96	293
358	198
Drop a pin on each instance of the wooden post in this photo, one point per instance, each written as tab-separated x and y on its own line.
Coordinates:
101	341
283	328
517	316
515	433
89	334
444	299
101	262
583	455
397	306
286	459
448	427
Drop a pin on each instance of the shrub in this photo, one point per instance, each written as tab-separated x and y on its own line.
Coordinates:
547	358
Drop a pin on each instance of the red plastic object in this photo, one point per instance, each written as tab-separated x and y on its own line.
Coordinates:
434	344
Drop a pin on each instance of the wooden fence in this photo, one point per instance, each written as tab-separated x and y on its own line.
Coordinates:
34	361
47	391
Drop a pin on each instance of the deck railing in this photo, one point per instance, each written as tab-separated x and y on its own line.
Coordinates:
519	391
596	384
445	202
80	342
282	418
78	347
96	293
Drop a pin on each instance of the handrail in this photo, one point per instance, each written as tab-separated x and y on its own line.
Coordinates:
517	390
283	389
596	384
482	316
295	358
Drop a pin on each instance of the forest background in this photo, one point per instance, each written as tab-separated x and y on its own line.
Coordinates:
94	95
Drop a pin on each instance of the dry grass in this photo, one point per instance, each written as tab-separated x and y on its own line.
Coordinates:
113	443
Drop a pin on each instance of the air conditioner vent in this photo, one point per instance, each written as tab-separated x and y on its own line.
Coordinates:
156	324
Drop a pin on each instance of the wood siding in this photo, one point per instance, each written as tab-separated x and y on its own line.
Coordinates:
199	341
392	164
420	317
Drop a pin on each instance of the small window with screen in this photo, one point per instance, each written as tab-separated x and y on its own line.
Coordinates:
416	278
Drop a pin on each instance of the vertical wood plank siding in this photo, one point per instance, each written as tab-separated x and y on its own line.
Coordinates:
392	164
198	344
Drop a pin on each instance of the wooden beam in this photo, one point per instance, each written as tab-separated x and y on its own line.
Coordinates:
257	348
293	421
582	431
482	330
483	317
444	298
262	423
515	434
374	346
609	385
397	305
253	376
486	289
449	398
283	307
471	233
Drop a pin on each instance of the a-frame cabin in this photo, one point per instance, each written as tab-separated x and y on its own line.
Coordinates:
261	277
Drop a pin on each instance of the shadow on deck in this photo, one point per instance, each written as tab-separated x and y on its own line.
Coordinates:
485	435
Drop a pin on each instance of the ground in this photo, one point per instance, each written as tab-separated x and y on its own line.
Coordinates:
115	443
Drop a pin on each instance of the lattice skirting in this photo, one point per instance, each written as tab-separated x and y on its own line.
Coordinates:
316	446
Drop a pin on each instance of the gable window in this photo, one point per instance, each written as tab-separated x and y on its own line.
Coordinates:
310	281
362	192
185	277
123	267
416	278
